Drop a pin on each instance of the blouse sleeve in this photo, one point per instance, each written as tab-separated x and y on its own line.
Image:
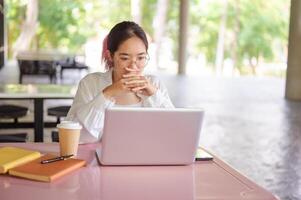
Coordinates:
88	109
161	98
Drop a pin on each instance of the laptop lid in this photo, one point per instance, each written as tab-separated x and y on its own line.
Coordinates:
150	136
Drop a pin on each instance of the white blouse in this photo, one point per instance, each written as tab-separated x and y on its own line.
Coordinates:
89	103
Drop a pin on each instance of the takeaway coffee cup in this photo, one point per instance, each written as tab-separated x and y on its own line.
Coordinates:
69	133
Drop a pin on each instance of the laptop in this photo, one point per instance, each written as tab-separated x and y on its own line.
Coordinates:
150	136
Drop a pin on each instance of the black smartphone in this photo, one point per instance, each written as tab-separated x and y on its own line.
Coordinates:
202	155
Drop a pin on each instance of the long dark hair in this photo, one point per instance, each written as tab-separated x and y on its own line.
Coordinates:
118	34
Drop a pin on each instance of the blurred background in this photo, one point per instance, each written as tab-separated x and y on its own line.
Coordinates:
238	59
225	37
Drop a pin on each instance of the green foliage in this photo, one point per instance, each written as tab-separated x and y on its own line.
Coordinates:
206	21
111	12
14	14
262	25
60	24
172	20
148	15
67	24
172	26
259	29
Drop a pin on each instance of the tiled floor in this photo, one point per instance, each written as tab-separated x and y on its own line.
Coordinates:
248	124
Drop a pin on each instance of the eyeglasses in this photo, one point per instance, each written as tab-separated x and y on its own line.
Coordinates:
140	60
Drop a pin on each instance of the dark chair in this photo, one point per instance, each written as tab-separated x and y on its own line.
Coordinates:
18	137
59	111
55	136
13	112
71	63
35	67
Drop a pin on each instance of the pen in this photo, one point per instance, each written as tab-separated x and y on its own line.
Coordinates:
56	159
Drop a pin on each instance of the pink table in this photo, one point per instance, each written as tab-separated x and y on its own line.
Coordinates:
203	180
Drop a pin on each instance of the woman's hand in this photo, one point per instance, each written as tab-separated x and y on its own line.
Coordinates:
116	89
138	83
132	81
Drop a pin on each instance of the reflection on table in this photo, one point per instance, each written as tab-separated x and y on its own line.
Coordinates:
202	180
147	182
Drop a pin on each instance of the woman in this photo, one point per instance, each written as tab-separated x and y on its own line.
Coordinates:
122	85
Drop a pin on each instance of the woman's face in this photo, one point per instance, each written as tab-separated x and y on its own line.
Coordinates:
130	54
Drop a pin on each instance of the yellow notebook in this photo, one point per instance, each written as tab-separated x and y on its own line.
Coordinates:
34	170
11	157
